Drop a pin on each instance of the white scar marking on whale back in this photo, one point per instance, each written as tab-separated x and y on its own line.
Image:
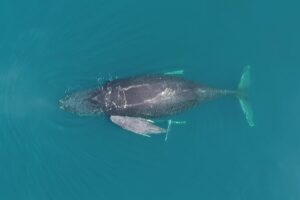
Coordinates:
167	94
116	106
121	97
120	89
134	86
125	100
107	98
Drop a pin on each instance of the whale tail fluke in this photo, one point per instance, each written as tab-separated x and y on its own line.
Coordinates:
243	86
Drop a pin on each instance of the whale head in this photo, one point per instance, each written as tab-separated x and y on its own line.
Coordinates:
82	103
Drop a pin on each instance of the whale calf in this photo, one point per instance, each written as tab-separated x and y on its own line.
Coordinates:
133	102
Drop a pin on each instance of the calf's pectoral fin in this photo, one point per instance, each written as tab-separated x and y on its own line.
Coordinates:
137	125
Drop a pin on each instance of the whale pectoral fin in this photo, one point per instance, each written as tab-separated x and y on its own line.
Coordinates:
170	122
175	72
137	125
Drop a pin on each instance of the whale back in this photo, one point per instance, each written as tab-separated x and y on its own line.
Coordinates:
149	96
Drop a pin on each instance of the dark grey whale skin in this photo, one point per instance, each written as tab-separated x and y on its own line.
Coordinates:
150	96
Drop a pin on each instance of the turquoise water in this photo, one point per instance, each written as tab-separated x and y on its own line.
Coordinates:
49	49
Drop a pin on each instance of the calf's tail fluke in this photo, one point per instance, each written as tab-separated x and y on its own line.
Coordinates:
243	86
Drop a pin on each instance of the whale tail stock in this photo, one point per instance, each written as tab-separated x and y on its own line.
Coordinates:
243	86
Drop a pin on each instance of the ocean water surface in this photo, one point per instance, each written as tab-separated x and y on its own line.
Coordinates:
51	48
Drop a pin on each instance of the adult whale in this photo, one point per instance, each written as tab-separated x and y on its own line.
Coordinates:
132	102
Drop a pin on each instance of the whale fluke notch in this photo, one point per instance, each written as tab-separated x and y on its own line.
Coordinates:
243	86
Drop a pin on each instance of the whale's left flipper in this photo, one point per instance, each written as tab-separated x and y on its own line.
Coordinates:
137	125
176	72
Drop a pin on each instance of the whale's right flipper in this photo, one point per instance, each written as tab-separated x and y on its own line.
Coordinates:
137	125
